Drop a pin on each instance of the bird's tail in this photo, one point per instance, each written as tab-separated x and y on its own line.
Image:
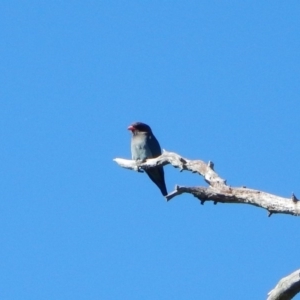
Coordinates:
158	177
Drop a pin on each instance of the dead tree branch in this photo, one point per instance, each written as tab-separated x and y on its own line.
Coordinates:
286	288
217	191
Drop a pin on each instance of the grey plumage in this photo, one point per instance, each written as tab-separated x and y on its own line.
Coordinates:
145	145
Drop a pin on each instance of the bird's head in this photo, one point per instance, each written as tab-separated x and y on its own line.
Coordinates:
139	127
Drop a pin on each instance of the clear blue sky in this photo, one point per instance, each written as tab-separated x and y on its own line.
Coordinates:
216	80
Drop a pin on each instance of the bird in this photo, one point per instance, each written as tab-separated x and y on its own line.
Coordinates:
145	145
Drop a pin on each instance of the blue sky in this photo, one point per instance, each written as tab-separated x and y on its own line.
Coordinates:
216	80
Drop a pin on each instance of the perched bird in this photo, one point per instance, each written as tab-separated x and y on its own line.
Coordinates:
145	145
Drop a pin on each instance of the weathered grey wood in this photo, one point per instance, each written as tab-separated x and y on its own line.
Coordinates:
286	288
217	191
177	161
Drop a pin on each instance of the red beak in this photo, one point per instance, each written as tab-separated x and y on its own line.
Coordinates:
131	128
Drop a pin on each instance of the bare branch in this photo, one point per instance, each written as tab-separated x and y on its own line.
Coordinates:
286	288
239	195
177	161
218	190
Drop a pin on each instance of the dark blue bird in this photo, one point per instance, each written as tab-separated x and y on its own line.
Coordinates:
145	145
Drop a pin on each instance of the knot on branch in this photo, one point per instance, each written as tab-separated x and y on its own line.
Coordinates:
211	165
294	198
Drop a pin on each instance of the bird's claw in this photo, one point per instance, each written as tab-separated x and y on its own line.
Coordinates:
137	167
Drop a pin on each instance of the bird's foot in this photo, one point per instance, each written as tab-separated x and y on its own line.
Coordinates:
138	168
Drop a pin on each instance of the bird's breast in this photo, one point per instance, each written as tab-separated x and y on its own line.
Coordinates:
139	148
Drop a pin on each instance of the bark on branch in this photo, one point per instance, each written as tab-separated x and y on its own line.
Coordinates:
217	190
286	288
